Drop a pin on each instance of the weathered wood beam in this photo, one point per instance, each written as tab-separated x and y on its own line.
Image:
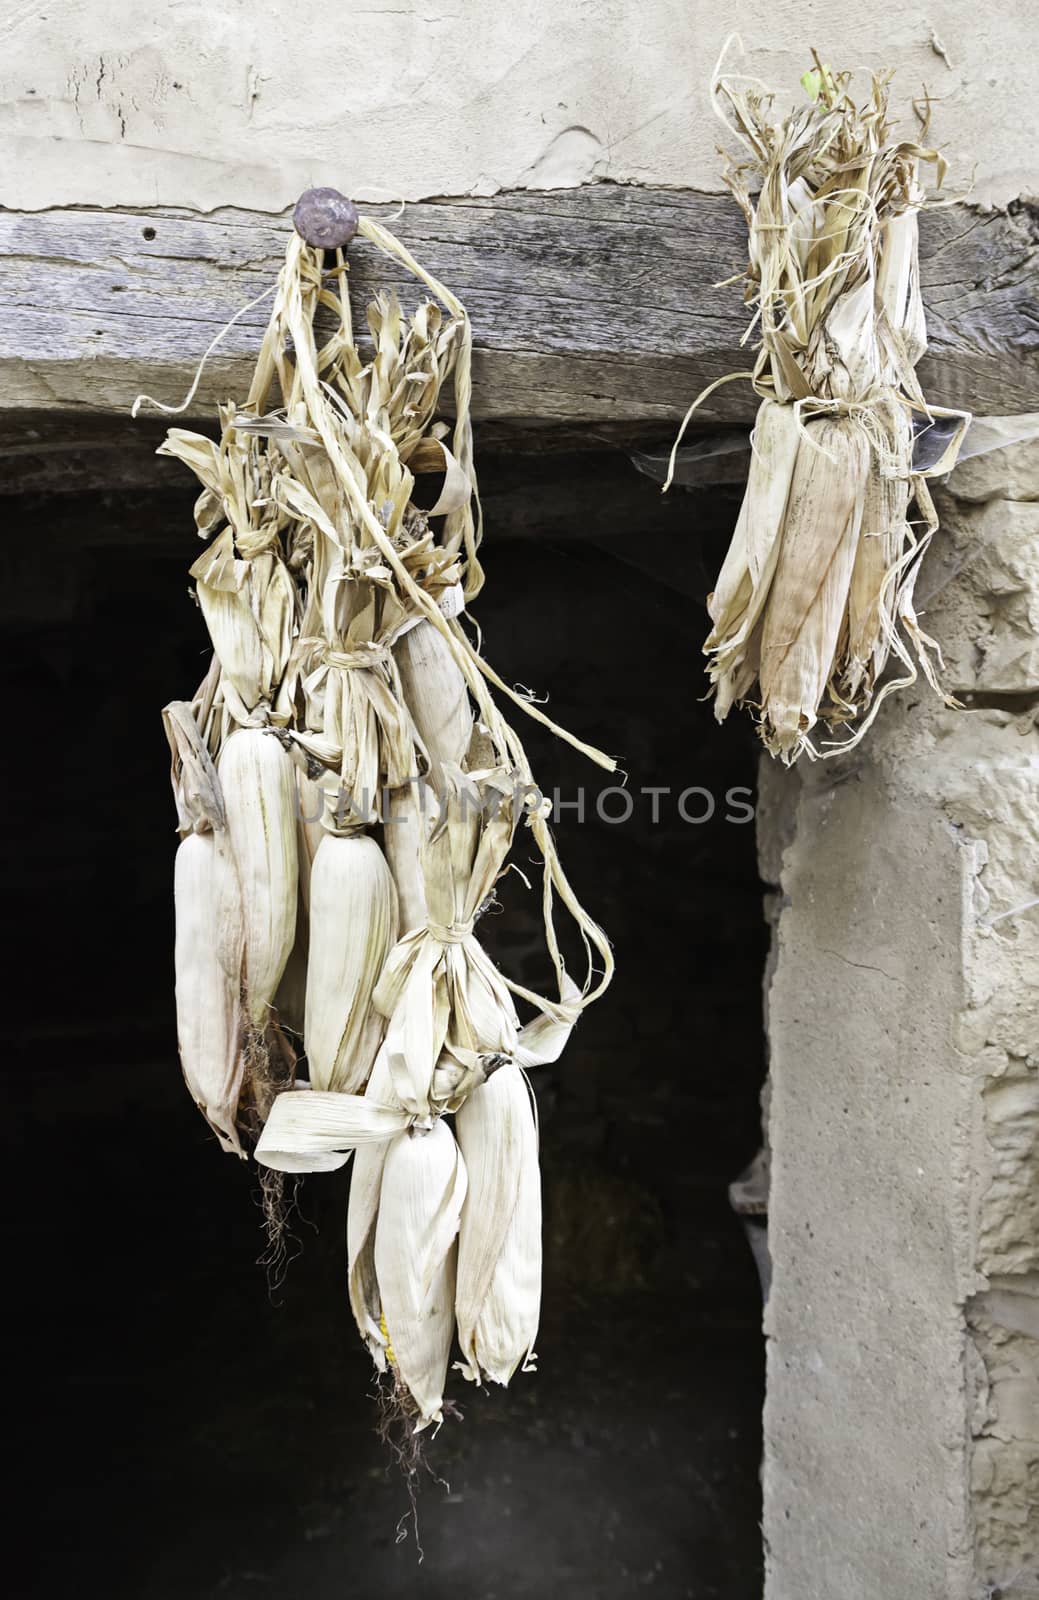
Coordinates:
590	307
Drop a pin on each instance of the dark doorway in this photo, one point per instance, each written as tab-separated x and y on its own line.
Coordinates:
191	1434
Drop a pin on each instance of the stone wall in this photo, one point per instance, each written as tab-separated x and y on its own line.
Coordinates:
902	1419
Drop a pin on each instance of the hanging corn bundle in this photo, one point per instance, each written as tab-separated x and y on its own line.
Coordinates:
815	595
348	792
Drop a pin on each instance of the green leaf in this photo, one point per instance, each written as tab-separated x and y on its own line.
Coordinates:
819	85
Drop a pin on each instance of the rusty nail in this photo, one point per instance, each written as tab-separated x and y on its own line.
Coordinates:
325	219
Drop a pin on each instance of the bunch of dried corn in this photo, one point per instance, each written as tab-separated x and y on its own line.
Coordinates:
347	705
816	592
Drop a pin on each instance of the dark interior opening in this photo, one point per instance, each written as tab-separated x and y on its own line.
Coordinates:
214	1439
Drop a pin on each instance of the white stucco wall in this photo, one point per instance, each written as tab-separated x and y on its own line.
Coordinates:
246	102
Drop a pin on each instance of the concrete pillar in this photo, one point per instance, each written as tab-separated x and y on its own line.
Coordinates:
902	1416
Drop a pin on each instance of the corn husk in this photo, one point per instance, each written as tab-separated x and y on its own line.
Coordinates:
441	994
739	596
355	717
353	927
317	799
420	1204
884	536
244	588
209	933
196	786
898	283
809	591
410	815
811	602
362	1214
438	699
436	694
259	792
313	1130
498	1293
290	998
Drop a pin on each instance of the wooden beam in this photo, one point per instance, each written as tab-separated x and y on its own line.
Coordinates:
591	307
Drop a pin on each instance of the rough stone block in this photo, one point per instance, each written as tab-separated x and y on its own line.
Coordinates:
900	1457
1008	474
1008	1223
1004	1328
979	595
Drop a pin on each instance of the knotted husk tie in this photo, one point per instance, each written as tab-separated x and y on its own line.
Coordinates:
440	992
358	725
458	933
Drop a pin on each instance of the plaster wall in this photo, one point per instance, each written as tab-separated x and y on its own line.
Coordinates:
246	103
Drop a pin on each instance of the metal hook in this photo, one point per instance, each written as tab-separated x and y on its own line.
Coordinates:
325	219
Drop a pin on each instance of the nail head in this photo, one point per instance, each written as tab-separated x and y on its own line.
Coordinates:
325	219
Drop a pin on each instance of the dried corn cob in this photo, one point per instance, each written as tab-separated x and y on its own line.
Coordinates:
411	812
208	956
498	1294
436	695
259	793
420	1205
746	576
362	1214
244	589
353	927
435	691
883	537
809	591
